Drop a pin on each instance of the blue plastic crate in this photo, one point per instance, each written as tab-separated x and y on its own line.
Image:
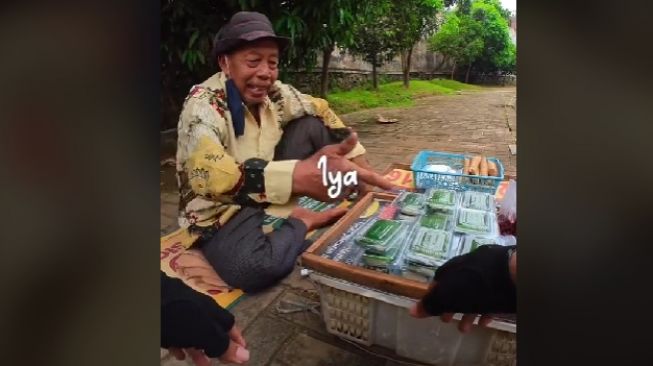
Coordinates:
455	181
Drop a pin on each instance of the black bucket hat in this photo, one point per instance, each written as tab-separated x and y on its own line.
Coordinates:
245	27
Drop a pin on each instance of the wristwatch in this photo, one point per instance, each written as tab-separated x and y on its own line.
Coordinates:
253	182
254	179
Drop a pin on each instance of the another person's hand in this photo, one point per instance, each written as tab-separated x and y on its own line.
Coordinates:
308	178
193	323
478	283
236	353
315	220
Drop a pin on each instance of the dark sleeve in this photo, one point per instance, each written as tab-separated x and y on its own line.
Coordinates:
192	319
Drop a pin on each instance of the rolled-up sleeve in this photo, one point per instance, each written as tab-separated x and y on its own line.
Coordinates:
278	180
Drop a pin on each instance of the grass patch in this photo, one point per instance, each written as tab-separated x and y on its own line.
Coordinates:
454	85
392	94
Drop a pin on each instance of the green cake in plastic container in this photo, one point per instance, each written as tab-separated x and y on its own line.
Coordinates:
438	221
410	203
380	232
429	247
478	201
441	200
474	222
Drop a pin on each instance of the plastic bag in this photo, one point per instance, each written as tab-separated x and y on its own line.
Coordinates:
507	216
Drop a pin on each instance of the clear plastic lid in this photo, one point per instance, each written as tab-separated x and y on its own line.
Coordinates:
436	220
410	203
382	237
441	198
472	242
478	201
476	222
429	247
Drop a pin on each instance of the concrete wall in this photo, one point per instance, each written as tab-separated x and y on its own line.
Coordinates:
347	71
422	61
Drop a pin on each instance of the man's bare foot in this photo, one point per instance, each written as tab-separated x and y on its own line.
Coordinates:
315	220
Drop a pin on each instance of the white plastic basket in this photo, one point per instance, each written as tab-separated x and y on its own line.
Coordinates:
369	316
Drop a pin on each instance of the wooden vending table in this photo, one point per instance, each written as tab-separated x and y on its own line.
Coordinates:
390	283
371	308
400	175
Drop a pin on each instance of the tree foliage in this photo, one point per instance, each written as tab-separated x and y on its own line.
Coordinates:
375	39
496	36
413	20
476	34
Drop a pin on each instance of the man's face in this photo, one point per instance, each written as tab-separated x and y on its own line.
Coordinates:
253	69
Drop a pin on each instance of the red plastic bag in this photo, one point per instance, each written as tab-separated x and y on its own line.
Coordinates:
508	211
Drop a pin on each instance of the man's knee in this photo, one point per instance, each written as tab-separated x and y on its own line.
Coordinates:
316	129
307	121
304	136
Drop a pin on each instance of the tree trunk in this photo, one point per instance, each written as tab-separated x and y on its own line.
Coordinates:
402	57
375	83
453	69
324	80
438	65
406	66
467	75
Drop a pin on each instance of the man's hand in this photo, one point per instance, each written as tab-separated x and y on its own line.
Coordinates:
307	177
315	220
193	324
480	282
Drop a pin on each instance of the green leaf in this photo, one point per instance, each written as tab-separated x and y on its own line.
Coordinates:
193	38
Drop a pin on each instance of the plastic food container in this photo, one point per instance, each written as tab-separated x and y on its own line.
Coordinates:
429	247
478	201
475	222
410	203
379	234
472	242
442	200
437	221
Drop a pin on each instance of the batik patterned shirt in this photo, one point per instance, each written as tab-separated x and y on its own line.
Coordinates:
210	156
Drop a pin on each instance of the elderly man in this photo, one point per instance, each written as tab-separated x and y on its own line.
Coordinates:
246	140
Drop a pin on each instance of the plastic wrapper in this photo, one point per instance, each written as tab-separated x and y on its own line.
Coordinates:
340	250
472	242
478	201
429	247
427	272
315	205
399	263
349	254
378	260
383	256
508	211
378	235
437	221
475	222
410	203
442	200
416	276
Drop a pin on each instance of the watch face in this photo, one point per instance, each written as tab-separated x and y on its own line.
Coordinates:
254	180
